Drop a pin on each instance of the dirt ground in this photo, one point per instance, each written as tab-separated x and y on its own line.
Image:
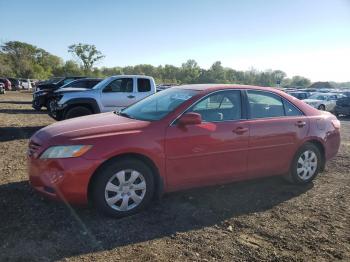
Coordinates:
265	219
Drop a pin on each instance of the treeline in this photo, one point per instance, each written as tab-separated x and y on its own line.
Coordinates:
23	60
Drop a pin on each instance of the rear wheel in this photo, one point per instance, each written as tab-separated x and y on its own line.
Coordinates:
77	111
322	108
123	188
306	164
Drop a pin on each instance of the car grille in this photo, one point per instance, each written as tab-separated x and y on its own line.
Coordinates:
33	148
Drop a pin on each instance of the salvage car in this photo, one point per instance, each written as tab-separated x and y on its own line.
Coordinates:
182	137
49	86
47	95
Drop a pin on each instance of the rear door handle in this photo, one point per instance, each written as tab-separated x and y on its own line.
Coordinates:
300	123
240	130
131	96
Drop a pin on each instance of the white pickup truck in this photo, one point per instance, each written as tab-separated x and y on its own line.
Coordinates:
113	93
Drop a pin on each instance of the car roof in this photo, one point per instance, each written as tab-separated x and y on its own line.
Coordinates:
213	87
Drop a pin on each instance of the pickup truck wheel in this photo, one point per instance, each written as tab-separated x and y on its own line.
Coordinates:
77	111
306	164
123	188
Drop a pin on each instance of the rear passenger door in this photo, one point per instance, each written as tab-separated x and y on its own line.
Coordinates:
277	128
143	88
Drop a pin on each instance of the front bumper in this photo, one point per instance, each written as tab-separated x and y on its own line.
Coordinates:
62	179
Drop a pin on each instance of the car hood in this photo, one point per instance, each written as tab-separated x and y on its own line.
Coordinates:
70	89
312	101
87	127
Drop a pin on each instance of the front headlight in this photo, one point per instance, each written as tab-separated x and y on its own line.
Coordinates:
65	151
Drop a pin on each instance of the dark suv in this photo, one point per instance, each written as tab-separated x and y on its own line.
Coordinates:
46	88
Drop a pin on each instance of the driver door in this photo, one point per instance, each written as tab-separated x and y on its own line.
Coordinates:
212	152
119	93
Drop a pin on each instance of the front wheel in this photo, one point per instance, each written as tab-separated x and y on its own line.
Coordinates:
123	188
306	164
77	111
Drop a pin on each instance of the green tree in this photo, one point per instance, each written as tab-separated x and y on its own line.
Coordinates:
88	55
300	81
190	72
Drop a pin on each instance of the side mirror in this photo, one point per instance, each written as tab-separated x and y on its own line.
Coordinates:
190	119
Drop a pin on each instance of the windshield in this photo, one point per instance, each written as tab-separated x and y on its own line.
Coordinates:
159	105
318	97
102	83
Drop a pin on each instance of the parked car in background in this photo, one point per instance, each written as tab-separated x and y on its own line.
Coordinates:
113	93
49	86
299	94
2	88
323	101
182	137
44	96
7	83
342	106
15	83
26	84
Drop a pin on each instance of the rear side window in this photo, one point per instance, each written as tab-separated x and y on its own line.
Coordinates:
143	85
264	104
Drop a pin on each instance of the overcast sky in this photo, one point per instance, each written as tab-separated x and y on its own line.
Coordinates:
309	38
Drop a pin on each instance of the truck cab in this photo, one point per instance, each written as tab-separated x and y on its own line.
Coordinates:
112	94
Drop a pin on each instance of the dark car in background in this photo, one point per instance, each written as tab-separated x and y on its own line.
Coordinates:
40	97
342	106
15	83
46	96
7	83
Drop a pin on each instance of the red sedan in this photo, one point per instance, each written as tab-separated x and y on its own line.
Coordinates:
183	137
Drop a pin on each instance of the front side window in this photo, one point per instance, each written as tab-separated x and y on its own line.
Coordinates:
143	85
264	104
221	106
121	85
291	110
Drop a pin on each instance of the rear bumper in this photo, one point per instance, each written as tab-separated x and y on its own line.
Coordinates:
62	179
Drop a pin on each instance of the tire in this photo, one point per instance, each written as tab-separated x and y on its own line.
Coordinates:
302	172
121	196
37	106
322	108
77	111
48	105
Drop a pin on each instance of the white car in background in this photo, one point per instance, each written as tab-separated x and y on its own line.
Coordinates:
26	84
323	101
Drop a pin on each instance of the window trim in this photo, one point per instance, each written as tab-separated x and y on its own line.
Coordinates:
244	115
271	117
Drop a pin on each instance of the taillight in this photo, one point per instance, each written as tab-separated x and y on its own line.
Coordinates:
336	123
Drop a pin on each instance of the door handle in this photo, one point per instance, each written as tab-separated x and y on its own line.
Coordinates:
240	130
300	123
131	96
